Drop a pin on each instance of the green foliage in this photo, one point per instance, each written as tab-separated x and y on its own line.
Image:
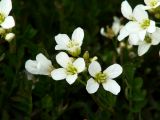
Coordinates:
37	22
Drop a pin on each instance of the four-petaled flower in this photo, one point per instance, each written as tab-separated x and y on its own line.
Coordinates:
41	65
70	68
73	45
6	21
139	25
105	78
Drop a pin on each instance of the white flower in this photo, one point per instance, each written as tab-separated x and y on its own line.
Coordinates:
114	30
73	45
9	37
105	78
41	65
139	25
151	4
6	21
70	68
150	39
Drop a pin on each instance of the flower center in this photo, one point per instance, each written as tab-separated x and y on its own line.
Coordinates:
148	39
2	18
101	77
145	24
74	48
72	44
71	69
153	3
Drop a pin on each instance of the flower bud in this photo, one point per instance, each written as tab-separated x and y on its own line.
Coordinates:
9	37
86	55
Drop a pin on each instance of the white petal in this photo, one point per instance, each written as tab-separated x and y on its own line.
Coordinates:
79	63
133	39
142	49
132	27
43	60
142	34
112	86
60	47
31	67
92	86
63	59
147	2
113	71
59	74
156	37
116	26
62	41
147	7
122	34
139	13
103	33
5	7
71	78
152	27
8	22
78	35
44	65
94	68
126	10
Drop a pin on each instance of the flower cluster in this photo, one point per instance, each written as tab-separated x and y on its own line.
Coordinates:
72	65
142	31
6	21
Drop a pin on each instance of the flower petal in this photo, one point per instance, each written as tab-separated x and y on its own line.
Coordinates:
31	66
79	63
113	71
43	60
132	27
116	25
62	41
126	10
112	86
71	78
60	47
78	35
142	34
94	68
102	32
156	37
92	86
123	34
8	22
133	39
63	59
147	2
143	48
139	13
44	65
5	7
59	74
152	27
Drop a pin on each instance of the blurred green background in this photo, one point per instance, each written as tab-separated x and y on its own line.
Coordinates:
37	22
